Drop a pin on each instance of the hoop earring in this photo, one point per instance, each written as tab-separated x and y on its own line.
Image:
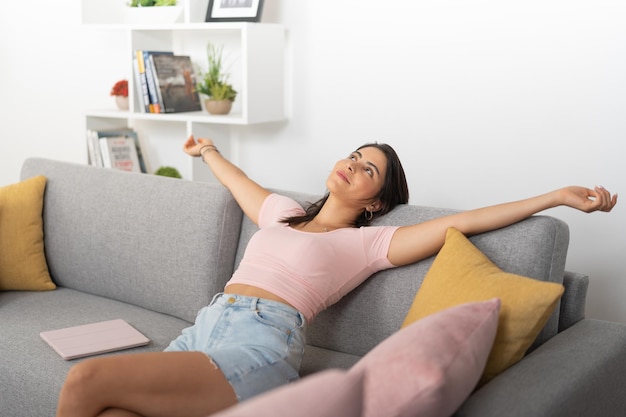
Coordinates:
370	217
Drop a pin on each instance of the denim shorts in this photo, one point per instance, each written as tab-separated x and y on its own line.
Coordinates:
258	344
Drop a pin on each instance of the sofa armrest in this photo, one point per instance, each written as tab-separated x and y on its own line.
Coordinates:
579	372
572	308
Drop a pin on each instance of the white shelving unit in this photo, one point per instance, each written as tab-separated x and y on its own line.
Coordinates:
254	54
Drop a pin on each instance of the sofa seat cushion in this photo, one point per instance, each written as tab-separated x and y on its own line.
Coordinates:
316	359
22	258
29	368
461	273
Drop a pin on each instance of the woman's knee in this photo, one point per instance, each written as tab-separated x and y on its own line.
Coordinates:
83	376
78	394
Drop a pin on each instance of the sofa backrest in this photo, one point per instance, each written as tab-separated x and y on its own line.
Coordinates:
161	243
535	247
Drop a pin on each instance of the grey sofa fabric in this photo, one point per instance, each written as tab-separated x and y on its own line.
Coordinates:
579	372
31	373
154	250
150	241
573	300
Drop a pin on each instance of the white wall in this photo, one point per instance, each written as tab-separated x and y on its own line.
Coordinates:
485	101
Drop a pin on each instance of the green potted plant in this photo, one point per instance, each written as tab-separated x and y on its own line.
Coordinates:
167	171
214	83
150	3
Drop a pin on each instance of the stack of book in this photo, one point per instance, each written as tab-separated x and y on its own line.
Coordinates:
115	148
165	82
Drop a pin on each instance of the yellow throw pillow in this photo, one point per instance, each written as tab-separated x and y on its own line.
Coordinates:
22	260
461	273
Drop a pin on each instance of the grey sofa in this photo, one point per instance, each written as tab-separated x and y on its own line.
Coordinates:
154	250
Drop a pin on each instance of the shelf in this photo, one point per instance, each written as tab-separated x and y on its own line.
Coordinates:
214	26
195	117
254	55
107	12
253	52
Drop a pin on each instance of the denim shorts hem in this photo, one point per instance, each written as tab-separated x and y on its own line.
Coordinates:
257	344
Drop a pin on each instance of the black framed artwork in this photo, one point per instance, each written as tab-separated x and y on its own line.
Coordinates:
234	11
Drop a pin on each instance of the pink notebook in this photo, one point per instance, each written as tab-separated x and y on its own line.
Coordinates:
92	339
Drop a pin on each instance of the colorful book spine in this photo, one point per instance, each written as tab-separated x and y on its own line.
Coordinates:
141	70
155	105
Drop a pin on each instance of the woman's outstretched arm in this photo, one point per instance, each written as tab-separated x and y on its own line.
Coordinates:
413	243
248	194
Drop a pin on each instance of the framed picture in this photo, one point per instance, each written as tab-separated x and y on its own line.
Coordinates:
234	11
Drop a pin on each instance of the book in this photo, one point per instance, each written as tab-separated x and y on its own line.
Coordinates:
133	135
130	133
142	83
138	87
91	160
156	103
95	148
175	78
119	152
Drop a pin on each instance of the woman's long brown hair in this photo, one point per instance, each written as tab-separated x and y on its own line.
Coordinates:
393	192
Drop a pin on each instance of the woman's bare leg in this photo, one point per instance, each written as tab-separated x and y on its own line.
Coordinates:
145	384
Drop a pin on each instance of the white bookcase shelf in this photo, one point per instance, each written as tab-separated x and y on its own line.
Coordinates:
117	12
254	54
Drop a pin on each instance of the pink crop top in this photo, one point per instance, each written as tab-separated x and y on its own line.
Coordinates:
310	270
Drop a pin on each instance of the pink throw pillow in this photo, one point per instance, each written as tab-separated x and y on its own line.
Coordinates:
430	367
329	393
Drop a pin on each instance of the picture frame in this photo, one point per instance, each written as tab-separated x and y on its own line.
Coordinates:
234	11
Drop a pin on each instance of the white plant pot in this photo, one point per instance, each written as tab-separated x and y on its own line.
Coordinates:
121	102
154	15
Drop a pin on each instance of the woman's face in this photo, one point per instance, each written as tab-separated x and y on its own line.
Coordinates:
360	176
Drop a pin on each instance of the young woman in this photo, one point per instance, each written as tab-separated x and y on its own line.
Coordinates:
251	338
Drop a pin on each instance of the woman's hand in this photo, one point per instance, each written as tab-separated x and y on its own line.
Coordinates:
586	199
192	148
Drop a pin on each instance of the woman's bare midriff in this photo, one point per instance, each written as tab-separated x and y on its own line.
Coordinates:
251	291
